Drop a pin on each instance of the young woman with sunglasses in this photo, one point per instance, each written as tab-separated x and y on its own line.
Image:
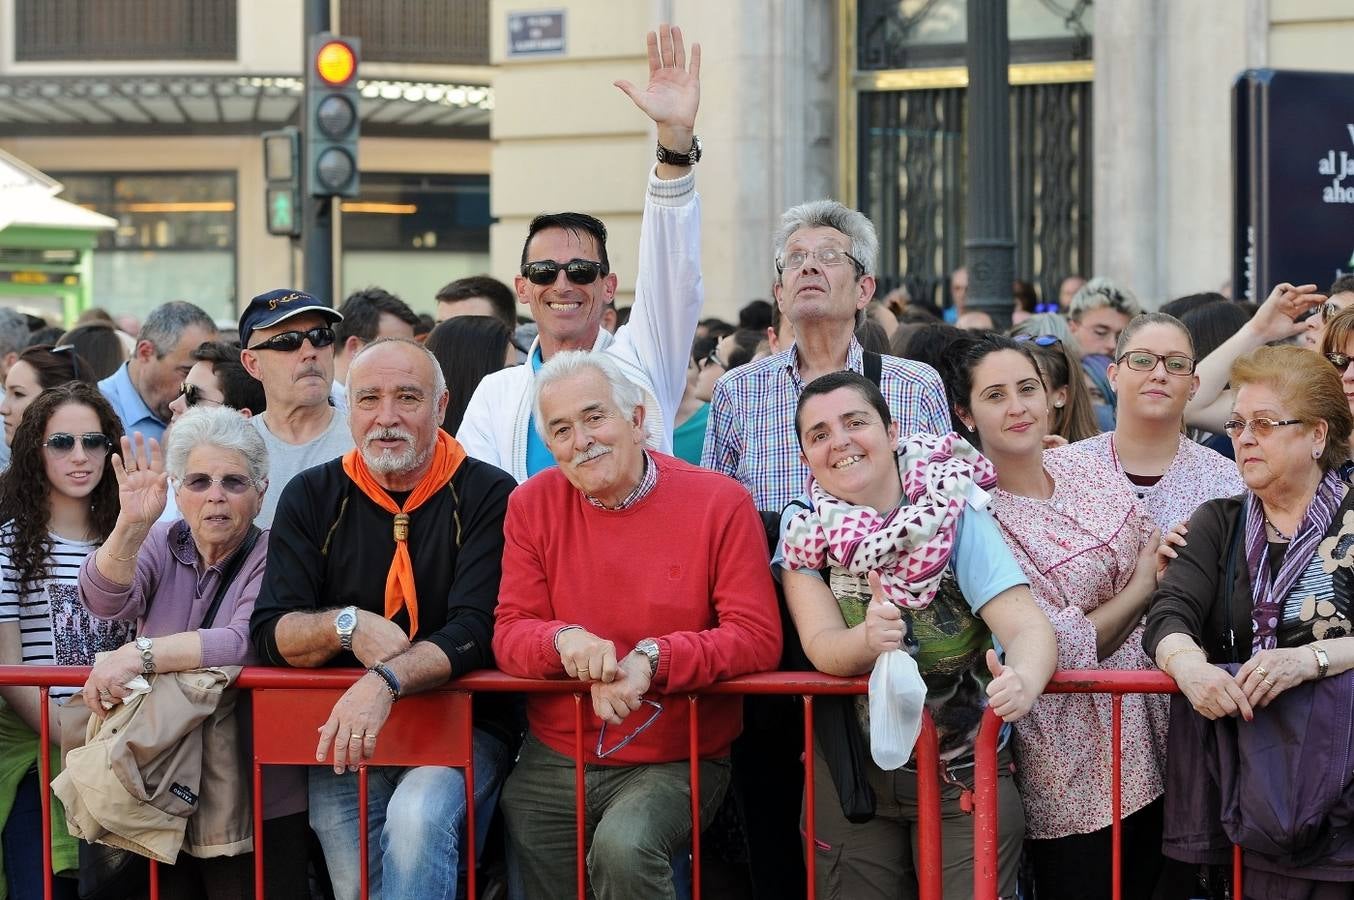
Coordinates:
1089	557
1073	410
58	502
36	370
1337	346
1155	462
165	576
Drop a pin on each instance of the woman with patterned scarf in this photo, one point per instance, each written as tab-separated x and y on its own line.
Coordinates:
1088	551
892	548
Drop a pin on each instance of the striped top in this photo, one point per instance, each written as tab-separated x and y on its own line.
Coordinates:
55	627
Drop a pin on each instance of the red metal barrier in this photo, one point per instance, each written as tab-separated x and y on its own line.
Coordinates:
295	702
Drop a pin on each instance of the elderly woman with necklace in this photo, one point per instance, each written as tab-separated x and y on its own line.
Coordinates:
1266	584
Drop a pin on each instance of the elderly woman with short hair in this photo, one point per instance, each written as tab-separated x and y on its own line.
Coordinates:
1266	583
167	576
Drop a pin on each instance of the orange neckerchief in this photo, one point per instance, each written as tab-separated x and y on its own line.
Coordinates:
447	458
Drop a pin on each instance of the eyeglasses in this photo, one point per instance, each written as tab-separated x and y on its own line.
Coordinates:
1142	361
95	443
200	483
1261	427
657	710
578	271
1341	361
826	256
712	359
1039	340
192	395
288	341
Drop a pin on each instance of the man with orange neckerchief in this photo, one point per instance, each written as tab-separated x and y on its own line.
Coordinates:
389	557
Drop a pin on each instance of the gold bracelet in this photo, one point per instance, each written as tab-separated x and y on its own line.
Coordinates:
1166	663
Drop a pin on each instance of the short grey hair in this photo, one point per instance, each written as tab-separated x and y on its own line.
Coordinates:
625	393
857	227
13	331
831	214
220	427
1100	292
1049	323
439	377
165	325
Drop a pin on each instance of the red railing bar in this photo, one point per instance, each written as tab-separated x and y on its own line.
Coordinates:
579	791
810	831
154	880
44	789
929	865
1116	796
985	842
694	751
1236	871
362	829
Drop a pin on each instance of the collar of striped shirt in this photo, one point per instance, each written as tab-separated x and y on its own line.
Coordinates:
646	485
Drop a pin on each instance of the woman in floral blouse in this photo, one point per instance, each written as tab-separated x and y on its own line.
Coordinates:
1088	554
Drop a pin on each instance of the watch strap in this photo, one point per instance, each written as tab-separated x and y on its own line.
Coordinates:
1322	660
673	158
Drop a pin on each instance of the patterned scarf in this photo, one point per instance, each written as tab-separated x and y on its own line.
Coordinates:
910	545
1269	589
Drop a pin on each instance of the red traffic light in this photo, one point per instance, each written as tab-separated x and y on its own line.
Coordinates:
335	63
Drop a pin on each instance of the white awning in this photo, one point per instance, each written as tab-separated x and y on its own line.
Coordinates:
28	197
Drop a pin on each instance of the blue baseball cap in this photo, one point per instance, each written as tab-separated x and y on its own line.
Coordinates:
266	310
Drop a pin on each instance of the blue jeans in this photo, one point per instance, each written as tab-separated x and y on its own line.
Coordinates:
415	823
22	844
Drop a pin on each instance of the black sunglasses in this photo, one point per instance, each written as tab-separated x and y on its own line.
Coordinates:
1039	340
93	442
579	271
1339	360
288	341
192	395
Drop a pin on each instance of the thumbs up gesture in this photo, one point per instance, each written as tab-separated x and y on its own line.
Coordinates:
1007	693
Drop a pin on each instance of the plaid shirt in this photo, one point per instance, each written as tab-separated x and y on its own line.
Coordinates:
647	483
751	435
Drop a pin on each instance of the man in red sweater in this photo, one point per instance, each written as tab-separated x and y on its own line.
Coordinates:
623	547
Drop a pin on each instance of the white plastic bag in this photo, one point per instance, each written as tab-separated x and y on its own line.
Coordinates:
897	697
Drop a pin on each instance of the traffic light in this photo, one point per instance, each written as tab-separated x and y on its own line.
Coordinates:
282	174
331	126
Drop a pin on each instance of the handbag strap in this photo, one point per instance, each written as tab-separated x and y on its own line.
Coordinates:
1229	579
228	574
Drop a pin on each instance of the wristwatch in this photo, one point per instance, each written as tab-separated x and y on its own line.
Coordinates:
143	646
649	648
673	158
1322	660
344	623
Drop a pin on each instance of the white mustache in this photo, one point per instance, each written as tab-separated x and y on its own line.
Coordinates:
387	434
592	452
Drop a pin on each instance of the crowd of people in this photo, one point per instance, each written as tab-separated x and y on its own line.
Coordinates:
647	502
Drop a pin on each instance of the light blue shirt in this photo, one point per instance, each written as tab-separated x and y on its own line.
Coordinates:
539	457
131	409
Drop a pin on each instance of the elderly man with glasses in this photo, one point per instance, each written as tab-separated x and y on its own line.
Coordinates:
288	344
567	281
623	547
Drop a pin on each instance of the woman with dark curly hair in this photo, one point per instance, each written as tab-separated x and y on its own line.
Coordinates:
58	503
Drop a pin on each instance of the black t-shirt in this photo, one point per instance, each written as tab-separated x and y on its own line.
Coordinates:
331	546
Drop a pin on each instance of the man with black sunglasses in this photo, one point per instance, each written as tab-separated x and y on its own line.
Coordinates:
287	338
567	281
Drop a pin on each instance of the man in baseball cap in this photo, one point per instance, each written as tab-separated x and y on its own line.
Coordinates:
287	342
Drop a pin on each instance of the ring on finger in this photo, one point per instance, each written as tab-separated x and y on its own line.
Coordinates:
1268	681
1262	671
355	739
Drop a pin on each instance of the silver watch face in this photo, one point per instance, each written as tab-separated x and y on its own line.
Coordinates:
345	621
143	643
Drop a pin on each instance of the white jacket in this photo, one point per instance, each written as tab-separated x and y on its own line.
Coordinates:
652	349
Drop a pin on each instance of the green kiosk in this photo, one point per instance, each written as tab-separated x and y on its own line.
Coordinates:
46	245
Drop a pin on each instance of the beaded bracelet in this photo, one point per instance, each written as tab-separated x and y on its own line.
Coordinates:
392	683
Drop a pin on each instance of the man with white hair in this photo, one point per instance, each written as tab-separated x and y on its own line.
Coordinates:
623	547
388	558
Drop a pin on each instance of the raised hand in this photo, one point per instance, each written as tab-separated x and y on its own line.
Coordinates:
673	93
143	486
1276	319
